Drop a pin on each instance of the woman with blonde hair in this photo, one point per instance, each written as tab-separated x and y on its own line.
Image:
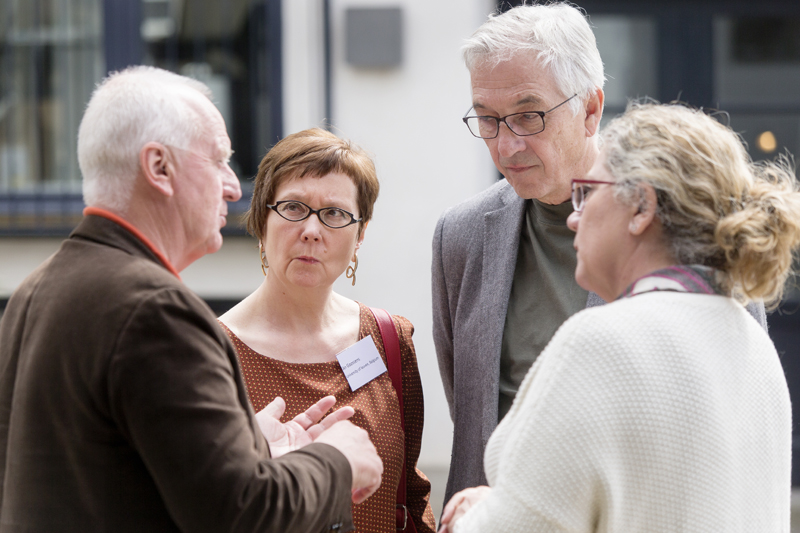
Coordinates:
300	341
667	409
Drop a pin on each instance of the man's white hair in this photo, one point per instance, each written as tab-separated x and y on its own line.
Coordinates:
561	35
127	110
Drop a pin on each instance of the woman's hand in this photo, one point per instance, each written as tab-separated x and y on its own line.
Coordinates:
459	504
302	429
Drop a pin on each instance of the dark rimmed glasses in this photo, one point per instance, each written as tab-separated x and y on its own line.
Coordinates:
333	217
581	189
522	124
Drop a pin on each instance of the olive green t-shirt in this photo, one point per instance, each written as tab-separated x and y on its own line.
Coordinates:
543	294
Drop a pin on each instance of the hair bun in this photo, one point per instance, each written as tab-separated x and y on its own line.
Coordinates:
759	235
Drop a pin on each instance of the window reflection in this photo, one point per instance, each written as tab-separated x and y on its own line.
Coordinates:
766	40
230	45
757	61
756	75
52	55
51	58
628	48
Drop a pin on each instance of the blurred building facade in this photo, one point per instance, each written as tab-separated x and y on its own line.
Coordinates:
384	73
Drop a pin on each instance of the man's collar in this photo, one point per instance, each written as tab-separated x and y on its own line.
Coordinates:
132	229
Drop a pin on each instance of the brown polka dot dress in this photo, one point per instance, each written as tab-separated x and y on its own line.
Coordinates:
377	411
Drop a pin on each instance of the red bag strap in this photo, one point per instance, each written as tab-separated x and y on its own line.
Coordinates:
391	345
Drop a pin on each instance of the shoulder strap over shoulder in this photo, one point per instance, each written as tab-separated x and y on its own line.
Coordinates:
391	345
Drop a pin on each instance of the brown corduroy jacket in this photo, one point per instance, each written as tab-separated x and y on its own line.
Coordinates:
122	408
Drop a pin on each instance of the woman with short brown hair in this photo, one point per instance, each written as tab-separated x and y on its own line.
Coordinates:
312	202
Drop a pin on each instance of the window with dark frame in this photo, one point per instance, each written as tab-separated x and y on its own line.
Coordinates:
54	52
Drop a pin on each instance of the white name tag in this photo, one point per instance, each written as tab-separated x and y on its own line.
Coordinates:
361	363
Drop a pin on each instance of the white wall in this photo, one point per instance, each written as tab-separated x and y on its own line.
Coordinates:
19	257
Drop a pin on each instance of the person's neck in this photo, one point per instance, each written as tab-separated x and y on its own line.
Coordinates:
646	258
150	229
292	308
160	232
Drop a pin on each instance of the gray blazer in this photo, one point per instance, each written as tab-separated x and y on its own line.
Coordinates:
474	255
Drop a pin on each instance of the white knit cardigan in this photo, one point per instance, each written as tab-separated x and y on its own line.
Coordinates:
661	412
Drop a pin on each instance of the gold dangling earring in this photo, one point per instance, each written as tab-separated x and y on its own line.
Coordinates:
351	270
263	255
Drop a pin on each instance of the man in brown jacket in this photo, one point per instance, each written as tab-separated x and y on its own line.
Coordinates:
122	407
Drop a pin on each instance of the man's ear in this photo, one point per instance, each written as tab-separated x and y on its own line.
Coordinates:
646	212
594	111
157	167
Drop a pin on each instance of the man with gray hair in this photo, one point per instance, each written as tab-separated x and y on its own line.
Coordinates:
503	261
122	407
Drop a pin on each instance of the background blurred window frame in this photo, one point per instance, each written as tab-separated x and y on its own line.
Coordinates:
53	53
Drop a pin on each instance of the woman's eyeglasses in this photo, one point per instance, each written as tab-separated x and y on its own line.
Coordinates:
581	189
295	211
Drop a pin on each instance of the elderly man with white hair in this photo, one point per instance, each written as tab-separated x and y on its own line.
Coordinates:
122	406
503	261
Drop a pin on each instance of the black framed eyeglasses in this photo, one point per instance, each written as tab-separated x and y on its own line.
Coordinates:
522	124
581	189
333	217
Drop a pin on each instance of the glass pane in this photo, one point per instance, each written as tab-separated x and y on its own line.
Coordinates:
226	44
51	58
756	76
757	61
628	48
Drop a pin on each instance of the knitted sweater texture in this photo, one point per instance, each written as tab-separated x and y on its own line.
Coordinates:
662	412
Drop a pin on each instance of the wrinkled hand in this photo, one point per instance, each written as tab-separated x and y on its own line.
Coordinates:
302	429
365	463
459	504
